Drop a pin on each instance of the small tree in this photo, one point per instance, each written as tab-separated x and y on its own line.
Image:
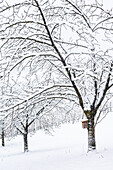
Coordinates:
23	126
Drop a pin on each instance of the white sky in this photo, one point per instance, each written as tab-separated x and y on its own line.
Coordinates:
108	3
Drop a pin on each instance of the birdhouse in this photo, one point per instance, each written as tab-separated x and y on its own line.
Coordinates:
85	124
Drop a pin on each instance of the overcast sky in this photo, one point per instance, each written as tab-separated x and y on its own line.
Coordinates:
107	3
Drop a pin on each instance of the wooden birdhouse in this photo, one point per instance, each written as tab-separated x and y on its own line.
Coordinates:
85	124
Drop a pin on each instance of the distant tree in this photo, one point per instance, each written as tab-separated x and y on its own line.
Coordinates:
37	113
22	124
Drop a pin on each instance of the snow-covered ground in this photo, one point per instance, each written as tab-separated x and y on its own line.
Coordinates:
65	150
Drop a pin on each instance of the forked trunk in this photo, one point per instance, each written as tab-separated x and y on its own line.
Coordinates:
25	142
91	134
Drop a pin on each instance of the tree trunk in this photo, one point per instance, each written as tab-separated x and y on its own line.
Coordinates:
3	136
91	134
25	142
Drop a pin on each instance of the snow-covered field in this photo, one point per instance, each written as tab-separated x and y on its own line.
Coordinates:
65	150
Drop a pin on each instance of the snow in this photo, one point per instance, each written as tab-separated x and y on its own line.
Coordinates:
65	150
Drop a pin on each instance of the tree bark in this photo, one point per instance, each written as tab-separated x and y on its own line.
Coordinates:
25	142
91	134
3	136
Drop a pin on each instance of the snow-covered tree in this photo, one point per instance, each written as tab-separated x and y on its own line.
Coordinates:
69	44
88	64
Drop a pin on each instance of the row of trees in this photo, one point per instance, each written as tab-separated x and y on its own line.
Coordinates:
56	60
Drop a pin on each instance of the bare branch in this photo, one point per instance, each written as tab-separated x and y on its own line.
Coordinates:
106	88
62	60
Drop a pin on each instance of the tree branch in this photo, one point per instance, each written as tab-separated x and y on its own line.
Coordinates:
80	13
106	88
19	130
95	27
59	54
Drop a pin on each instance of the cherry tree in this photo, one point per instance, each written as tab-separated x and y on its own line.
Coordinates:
88	64
66	44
